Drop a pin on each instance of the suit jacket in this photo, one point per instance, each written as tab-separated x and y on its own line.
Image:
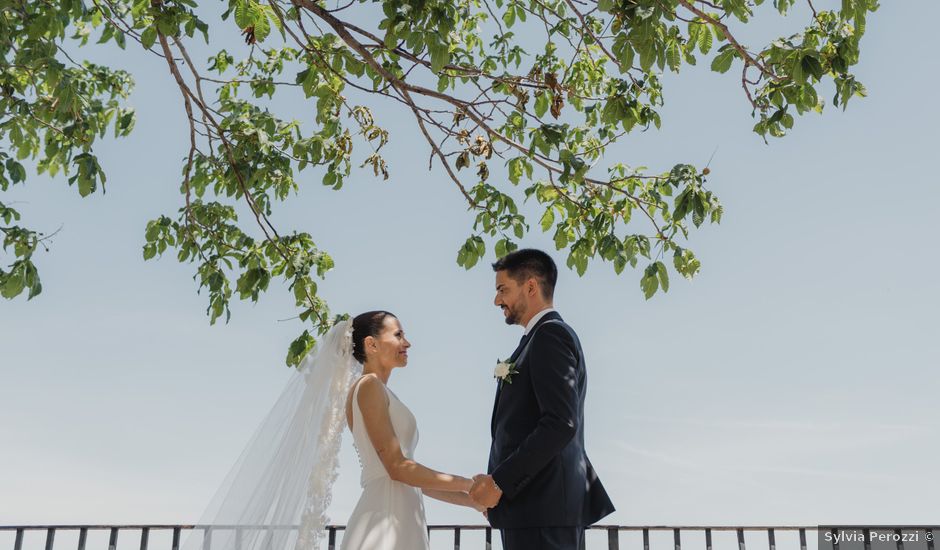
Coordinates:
537	456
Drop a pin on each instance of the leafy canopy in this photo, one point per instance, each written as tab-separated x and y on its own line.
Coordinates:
516	100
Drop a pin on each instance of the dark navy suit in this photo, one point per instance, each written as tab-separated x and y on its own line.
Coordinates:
550	490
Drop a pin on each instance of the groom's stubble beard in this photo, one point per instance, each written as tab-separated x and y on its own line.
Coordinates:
513	317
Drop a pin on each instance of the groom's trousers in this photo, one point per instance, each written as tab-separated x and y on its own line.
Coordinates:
543	538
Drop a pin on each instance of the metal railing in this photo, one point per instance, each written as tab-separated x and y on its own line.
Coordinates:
612	534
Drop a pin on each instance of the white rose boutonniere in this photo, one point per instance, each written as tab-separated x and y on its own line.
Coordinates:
505	370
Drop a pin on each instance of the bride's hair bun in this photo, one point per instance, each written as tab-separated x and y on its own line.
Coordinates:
367	324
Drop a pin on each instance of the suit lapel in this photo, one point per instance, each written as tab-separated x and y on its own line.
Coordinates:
522	345
499	383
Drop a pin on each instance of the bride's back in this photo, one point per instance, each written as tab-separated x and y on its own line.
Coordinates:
403	422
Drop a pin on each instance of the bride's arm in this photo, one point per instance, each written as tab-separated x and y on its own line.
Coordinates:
460	499
373	402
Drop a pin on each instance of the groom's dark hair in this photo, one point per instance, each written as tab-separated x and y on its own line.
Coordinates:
529	262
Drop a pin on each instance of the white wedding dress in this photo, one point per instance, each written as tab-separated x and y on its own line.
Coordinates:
390	514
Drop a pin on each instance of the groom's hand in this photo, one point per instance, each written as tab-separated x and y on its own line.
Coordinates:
485	491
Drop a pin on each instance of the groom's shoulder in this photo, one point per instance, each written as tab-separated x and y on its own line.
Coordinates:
556	329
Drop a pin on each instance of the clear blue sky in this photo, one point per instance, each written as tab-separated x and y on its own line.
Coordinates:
794	381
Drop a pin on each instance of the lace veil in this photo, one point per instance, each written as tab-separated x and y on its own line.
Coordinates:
276	495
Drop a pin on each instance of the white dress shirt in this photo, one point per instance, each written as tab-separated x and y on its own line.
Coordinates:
535	319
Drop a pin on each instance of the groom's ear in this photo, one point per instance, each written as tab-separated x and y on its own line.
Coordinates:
532	286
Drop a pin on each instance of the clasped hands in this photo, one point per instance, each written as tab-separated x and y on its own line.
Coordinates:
484	491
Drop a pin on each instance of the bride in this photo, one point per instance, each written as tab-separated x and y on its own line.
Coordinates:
390	513
276	495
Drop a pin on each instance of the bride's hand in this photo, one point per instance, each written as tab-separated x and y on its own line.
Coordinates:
476	505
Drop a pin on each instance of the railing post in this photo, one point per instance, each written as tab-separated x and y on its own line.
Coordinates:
489	538
332	538
176	538
112	540
676	539
207	539
929	534
144	538
771	539
82	537
50	538
646	539
867	534
613	538
900	539
835	540
238	538
802	539
708	540
741	540
456	538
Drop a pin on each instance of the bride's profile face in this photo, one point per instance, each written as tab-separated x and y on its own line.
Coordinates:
390	347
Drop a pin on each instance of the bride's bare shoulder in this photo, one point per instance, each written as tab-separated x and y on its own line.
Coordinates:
371	390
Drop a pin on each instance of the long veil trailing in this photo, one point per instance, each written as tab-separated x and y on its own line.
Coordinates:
276	495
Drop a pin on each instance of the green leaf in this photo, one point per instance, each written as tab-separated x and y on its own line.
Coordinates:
15	283
471	252
16	170
509	16
541	104
673	57
649	284
516	169
503	247
812	66
561	238
554	133
623	51
647	56
663	276
440	56
258	16
299	349
722	61
705	39
148	37
548	219
243	13
685	263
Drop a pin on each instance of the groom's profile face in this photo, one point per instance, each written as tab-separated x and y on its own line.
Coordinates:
510	297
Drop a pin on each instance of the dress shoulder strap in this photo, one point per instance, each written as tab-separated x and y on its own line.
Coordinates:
356	411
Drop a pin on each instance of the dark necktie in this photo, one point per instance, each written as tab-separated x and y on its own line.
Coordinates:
519	348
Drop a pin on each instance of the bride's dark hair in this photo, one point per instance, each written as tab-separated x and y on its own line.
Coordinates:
367	324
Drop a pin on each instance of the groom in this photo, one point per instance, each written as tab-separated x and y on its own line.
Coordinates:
541	489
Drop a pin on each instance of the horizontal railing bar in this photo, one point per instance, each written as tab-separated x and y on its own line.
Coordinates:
442	526
603	527
704	527
72	527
